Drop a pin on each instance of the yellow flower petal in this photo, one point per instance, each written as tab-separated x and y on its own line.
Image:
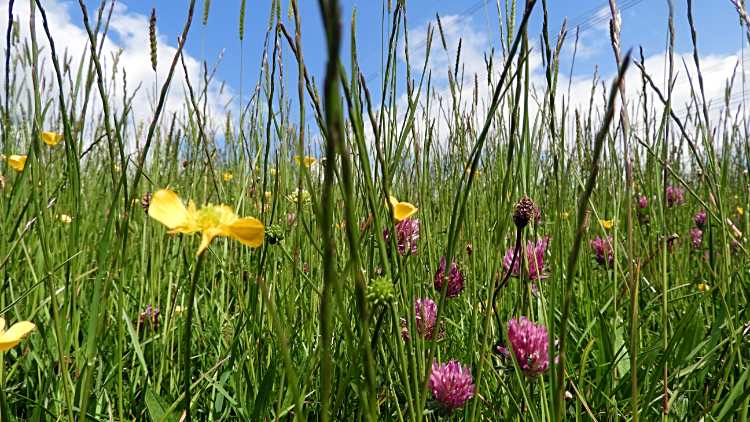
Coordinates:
167	208
273	171
227	176
309	161
206	237
248	231
64	218
608	224
14	335
403	210
51	139
268	194
740	210
16	162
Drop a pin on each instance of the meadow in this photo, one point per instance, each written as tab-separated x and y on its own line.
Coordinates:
487	253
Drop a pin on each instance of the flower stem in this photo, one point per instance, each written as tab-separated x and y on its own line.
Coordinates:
186	343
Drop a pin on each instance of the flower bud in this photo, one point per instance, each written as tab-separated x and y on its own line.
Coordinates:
524	212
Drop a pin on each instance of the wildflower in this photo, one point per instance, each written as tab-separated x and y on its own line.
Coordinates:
456	279
295	195
291	219
16	162
534	257
2	182
401	210
603	251
607	224
14	334
309	161
64	218
565	215
675	196
696	237
740	211
273	171
268	194
700	219
51	139
642	202
212	220
530	346
149	318
274	234
178	309
407	233
380	291
524	212
704	287
450	385
227	176
425	313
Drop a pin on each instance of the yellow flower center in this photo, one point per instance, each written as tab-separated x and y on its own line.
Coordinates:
209	216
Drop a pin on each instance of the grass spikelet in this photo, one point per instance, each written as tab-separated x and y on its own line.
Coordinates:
152	37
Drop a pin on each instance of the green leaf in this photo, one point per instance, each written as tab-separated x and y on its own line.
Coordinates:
157	407
262	399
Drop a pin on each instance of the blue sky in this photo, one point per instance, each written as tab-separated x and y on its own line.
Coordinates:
644	23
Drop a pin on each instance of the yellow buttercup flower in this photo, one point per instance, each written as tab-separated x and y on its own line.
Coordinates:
268	194
273	171
401	210
14	335
118	168
740	210
565	215
309	161
64	218
51	139
212	220
227	176
16	162
704	287
608	224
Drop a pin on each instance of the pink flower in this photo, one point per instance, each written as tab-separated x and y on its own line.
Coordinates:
700	219
642	202
534	257
425	311
675	196
530	345
603	251
537	215
455	279
407	234
696	236
291	219
450	385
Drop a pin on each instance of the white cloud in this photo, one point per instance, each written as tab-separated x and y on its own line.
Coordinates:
127	42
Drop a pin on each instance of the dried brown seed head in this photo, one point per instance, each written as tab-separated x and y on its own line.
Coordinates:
524	212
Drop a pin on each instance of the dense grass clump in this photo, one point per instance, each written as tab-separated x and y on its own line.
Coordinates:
536	262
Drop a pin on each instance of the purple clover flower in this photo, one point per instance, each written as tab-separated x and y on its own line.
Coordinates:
407	234
534	256
425	311
450	385
603	251
675	196
696	237
537	215
642	202
456	279
530	345
700	219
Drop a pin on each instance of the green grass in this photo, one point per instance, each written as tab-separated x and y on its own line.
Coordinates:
290	330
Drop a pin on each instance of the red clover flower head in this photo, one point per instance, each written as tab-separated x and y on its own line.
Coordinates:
451	385
675	196
642	202
603	251
700	219
530	345
696	237
425	311
534	256
456	279
407	234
